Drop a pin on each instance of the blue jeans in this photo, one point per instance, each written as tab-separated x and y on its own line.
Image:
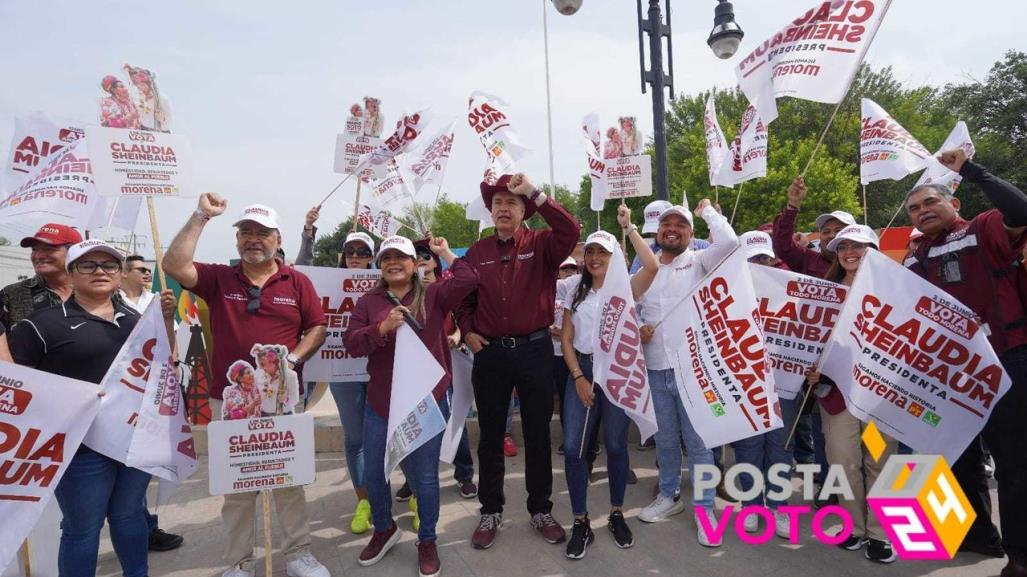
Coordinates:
350	399
151	518
421	469
675	427
766	450
463	463
95	488
578	422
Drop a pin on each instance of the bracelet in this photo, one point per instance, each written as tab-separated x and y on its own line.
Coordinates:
204	217
630	229
579	376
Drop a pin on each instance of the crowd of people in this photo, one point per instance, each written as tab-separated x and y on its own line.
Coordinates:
527	311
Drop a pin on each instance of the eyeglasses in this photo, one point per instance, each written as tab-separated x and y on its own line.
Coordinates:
254	303
141	270
425	256
357	252
90	266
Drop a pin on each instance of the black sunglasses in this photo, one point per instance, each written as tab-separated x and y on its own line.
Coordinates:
425	256
254	303
570	267
357	252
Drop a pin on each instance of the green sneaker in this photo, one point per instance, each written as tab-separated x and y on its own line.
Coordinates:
412	504
361	518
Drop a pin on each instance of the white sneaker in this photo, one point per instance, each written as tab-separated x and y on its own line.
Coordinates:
237	572
752	523
705	539
306	566
661	508
782	525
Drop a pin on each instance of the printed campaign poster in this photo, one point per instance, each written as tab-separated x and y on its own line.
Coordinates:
339	289
886	149
44	417
813	57
414	415
360	136
426	164
798	313
622	171
629	176
141	163
913	359
722	367
261	453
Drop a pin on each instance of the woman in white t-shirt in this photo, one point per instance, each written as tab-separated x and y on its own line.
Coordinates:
582	404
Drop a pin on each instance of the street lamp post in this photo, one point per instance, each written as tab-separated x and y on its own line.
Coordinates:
655	77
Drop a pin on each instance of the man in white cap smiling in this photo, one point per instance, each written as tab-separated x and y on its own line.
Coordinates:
799	258
259	301
653	210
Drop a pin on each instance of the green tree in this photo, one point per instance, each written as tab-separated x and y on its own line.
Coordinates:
328	247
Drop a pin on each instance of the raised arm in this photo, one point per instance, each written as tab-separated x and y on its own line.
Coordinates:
178	260
1007	198
641	280
463	282
564	228
306	252
724	238
783	233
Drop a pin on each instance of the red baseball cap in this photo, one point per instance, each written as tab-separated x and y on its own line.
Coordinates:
489	190
53	234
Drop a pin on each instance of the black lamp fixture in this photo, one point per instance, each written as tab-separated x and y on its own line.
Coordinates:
726	34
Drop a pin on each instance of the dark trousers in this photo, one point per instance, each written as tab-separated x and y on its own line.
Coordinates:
1006	436
497	372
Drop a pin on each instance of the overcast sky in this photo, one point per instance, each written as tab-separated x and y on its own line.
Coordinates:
262	87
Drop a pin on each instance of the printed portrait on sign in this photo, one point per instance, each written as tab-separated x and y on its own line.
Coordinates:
613	148
278	384
154	111
630	136
242	397
117	108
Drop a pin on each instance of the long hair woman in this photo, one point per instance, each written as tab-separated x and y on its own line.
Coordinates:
81	339
582	405
350	396
372	333
842	430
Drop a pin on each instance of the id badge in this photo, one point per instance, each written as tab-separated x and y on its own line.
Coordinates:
950	270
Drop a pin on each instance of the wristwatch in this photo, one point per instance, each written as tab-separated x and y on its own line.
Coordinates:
294	359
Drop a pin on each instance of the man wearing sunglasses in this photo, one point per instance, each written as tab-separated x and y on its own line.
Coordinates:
258	301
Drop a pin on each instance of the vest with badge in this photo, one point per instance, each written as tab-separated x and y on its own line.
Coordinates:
957	263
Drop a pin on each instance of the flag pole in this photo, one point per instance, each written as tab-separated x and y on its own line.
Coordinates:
795	424
866	216
549	101
738	198
26	560
341	182
110	220
155	233
356	205
823	133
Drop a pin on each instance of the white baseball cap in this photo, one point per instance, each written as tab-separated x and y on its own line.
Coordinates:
569	261
603	239
857	233
841	215
265	216
678	210
653	210
755	243
77	251
400	243
361	237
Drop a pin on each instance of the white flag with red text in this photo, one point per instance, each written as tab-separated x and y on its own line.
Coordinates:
390	192
716	145
414	415
44	419
591	140
37	136
914	360
487	116
162	440
936	172
618	362
722	367
886	149
814	57
408	129
378	222
426	164
747	157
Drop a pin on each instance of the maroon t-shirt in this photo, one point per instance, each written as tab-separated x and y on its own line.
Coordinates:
289	306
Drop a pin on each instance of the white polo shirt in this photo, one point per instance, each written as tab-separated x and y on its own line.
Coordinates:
144	300
584	317
673	283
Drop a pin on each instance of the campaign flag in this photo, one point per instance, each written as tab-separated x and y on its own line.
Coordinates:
814	57
460	404
722	367
125	211
618	361
936	172
44	419
798	313
162	440
390	191
591	140
486	115
408	129
37	136
915	360
716	145
414	416
886	149
748	154
426	164
60	190
476	210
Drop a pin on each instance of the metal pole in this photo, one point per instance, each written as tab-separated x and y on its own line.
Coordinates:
549	102
655	77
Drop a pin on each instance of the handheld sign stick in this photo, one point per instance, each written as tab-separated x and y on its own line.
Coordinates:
409	318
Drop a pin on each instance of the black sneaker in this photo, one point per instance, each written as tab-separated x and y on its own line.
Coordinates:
621	533
879	551
581	537
821	503
853	543
404	493
161	540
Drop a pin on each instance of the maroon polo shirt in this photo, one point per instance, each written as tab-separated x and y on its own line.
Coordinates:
798	258
517	277
363	339
289	306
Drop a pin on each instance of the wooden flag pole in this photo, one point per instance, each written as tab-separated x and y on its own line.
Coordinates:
805	399
823	133
26	560
341	182
866	216
624	239
738	198
155	233
265	495
356	206
110	220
